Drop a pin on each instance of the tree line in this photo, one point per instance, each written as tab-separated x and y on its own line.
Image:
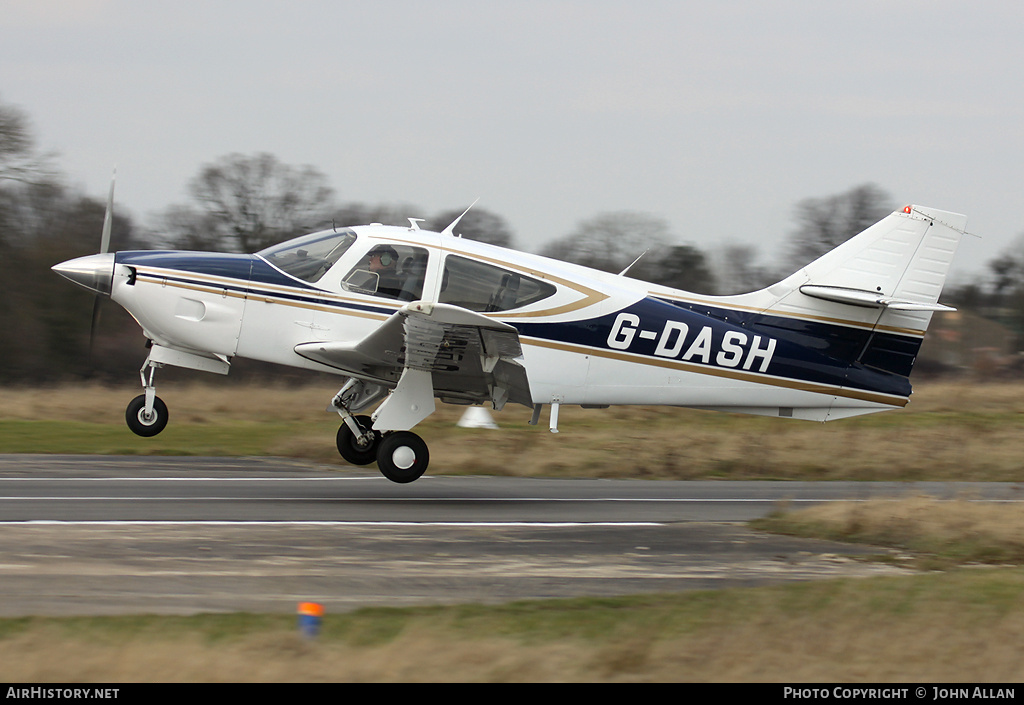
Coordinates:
242	203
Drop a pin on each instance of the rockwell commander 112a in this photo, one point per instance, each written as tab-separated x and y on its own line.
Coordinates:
406	316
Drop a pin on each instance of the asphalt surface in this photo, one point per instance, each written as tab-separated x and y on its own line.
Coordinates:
115	535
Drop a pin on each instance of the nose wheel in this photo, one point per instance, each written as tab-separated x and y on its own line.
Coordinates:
146	423
146	414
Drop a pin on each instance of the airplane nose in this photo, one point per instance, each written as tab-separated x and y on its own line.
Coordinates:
94	272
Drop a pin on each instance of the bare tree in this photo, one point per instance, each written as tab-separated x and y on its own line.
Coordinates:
611	241
680	267
186	228
19	158
1007	270
249	202
824	223
737	270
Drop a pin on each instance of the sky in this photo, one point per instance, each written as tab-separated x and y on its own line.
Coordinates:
719	117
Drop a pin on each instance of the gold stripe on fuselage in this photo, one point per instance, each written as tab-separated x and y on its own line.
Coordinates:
216	286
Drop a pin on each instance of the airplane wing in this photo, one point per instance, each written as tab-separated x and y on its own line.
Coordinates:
471	358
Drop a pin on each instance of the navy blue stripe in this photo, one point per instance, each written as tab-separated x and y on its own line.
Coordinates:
243	267
248	270
889	352
212	263
802	358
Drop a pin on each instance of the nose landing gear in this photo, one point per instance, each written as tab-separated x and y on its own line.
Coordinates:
146	414
146	423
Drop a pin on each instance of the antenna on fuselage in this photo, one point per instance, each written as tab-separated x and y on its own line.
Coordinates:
623	272
450	230
414	223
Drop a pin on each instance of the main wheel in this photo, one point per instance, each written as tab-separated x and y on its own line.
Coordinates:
352	449
139	422
402	456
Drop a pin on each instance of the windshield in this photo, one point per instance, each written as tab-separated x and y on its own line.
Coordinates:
309	256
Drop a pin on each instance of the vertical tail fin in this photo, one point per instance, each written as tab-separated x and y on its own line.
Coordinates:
891	274
884	283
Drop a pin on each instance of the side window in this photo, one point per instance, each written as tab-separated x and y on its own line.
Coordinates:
483	287
389	271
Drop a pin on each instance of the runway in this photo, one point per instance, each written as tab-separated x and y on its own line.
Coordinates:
115	535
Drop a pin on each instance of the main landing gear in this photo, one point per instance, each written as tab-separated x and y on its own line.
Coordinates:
401	456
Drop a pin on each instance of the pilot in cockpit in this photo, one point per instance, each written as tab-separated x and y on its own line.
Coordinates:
384	263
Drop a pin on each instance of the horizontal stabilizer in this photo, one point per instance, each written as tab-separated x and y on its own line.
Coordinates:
889	277
873	299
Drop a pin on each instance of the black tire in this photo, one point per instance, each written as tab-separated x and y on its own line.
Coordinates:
135	417
402	456
350	448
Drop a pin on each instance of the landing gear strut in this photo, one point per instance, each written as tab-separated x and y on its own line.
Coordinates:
359	446
146	414
401	456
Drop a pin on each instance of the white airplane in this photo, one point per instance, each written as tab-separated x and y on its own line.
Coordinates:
408	316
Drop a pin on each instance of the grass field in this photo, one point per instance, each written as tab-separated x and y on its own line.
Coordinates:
949	431
959	626
960	620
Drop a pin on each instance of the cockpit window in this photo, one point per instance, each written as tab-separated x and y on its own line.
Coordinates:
482	287
310	256
391	271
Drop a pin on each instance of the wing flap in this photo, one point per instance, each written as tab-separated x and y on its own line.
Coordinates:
472	358
377	356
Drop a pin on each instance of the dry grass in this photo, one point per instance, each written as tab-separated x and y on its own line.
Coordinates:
950	431
191	402
963	626
942	532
